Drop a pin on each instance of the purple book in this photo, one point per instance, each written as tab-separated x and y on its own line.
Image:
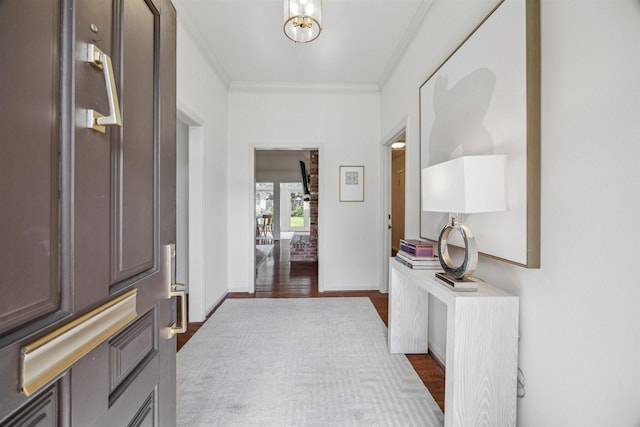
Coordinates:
417	247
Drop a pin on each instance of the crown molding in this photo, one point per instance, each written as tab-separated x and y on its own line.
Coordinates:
293	87
188	24
407	38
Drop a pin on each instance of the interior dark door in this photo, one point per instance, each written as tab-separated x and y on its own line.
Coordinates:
87	216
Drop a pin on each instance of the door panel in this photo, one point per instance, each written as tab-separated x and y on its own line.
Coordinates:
92	163
126	199
131	402
134	190
99	206
89	396
30	116
146	416
92	160
29	162
41	411
130	348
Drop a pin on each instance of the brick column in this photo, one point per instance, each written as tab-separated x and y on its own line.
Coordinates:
313	201
303	249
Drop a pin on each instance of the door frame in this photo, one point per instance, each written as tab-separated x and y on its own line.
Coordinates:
195	140
400	129
252	193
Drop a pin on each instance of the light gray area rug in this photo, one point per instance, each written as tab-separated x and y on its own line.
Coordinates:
298	362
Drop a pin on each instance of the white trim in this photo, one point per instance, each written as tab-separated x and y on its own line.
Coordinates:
196	286
188	24
397	131
252	192
321	172
280	87
350	287
187	116
197	302
407	38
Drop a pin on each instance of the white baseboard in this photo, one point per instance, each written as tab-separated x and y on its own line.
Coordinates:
351	288
437	353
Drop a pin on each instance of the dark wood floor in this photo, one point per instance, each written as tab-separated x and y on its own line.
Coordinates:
279	278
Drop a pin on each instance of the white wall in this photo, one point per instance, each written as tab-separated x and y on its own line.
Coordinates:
202	103
579	313
447	24
345	128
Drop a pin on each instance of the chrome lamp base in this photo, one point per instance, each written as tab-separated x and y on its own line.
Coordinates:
470	262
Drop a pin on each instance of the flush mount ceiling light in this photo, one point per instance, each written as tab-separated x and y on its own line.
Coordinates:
400	143
302	20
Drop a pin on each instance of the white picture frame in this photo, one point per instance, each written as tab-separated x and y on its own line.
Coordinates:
352	183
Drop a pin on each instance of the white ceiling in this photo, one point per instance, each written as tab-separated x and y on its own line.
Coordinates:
360	43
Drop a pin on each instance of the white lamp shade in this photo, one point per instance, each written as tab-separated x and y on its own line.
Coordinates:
468	184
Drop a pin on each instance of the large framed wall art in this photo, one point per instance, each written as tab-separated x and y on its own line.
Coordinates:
485	99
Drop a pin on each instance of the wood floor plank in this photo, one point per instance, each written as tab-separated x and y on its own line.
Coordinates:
277	277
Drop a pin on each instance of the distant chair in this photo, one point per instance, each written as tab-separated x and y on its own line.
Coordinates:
264	227
267	224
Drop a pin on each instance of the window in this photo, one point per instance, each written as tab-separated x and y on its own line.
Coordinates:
264	197
295	209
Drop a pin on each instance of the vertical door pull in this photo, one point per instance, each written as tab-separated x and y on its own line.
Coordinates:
95	120
177	290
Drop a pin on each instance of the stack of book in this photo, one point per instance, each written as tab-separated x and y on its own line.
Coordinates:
418	254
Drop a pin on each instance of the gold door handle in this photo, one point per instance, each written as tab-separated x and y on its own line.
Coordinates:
177	290
95	120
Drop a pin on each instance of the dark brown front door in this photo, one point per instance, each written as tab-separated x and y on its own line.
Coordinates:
87	216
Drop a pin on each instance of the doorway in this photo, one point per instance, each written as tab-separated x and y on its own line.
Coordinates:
286	212
397	193
394	170
190	209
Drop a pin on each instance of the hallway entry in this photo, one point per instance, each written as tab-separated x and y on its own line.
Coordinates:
397	194
286	209
277	276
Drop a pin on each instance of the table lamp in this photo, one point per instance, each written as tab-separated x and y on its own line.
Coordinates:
465	185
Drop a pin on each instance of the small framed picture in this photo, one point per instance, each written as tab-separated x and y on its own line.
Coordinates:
352	183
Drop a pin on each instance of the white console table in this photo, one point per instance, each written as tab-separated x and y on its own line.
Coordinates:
482	343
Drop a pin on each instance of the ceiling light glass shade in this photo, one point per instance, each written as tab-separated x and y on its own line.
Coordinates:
398	144
302	20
